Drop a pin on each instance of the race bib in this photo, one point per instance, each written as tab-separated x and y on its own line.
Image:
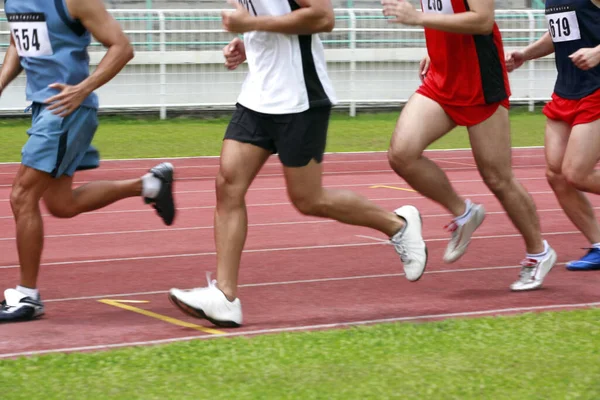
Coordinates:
437	6
30	33
563	26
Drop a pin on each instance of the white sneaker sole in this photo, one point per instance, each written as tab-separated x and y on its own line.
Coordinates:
198	313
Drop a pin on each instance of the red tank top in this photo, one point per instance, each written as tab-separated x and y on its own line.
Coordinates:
465	70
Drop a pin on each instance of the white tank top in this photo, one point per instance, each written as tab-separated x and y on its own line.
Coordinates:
287	73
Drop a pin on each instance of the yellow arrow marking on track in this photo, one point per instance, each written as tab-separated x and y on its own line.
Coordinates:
392	187
121	304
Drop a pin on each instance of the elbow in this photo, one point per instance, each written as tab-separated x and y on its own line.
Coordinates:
329	24
486	26
326	21
129	53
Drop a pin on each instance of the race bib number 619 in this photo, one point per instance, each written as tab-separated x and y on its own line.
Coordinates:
563	26
30	33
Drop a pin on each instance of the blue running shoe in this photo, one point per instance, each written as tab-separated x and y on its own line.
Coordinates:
589	262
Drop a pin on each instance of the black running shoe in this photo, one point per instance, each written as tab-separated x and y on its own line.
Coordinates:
164	202
17	307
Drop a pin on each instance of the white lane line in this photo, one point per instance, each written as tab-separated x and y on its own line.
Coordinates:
196	228
450	160
326	173
411	197
306	328
294	282
331	246
340	153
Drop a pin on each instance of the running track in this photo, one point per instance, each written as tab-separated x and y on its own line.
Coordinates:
298	273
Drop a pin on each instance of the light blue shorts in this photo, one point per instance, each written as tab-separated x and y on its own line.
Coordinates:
60	146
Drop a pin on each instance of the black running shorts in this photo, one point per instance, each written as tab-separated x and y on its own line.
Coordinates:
297	138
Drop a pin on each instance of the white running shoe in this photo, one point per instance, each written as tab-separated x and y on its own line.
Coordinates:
409	243
461	235
17	307
533	272
208	303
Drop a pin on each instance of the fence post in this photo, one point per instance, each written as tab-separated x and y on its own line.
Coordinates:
163	67
352	16
531	66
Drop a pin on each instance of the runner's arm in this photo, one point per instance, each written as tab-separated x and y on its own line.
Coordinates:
11	67
540	48
313	16
479	20
96	19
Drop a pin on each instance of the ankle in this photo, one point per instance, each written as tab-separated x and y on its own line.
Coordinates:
229	292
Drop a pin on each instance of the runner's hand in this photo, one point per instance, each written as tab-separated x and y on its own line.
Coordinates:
404	12
239	20
235	54
67	101
514	60
586	59
424	67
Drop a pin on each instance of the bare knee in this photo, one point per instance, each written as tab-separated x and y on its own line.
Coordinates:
575	177
60	209
556	179
22	199
497	180
311	205
230	191
401	156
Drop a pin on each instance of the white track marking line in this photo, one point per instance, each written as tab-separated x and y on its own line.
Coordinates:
305	328
524	148
294	282
330	246
413	196
326	173
196	228
400	182
450	160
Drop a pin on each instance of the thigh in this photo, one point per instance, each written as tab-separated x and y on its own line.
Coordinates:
491	145
59	193
556	139
304	182
239	164
81	127
44	150
421	123
29	184
301	138
583	149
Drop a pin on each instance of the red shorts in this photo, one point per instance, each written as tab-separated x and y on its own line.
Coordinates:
464	115
574	112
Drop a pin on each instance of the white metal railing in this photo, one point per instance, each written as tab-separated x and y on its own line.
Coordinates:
179	64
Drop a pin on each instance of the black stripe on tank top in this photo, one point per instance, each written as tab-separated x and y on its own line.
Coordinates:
76	26
314	87
490	67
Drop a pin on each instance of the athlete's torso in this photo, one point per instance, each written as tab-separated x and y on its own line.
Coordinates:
573	25
51	45
465	69
287	73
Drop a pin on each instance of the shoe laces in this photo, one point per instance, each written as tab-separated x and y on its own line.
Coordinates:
400	248
527	269
451	227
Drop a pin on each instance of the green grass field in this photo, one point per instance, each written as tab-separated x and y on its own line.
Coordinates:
532	356
138	138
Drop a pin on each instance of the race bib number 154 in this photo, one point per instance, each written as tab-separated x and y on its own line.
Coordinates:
30	33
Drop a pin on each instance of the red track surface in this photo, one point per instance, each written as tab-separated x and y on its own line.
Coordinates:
297	272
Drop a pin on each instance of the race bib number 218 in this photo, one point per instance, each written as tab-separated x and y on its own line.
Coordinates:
30	33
